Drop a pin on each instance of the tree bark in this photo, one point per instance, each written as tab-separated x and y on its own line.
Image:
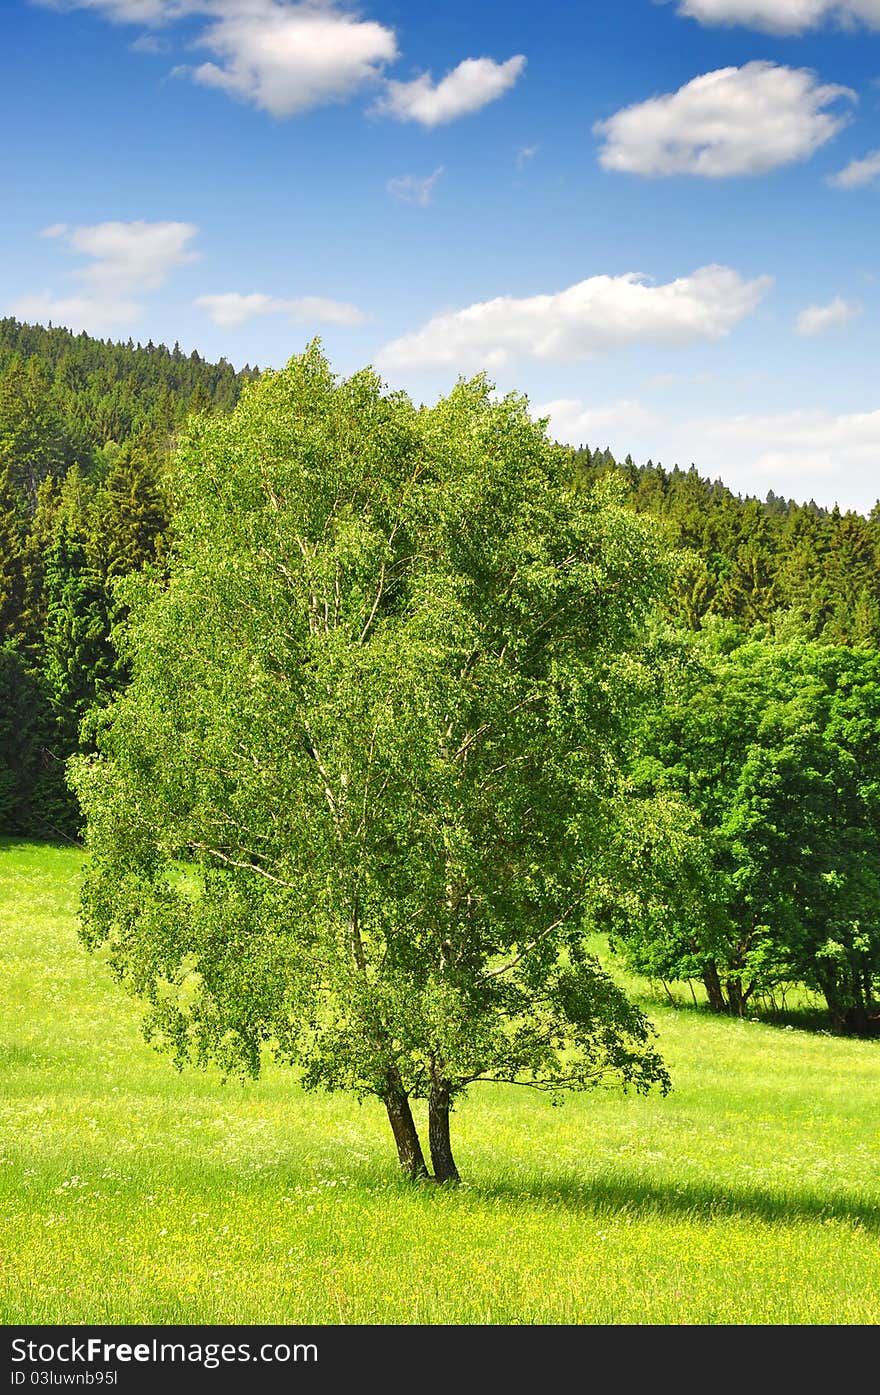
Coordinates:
409	1149
438	1132
714	991
736	1004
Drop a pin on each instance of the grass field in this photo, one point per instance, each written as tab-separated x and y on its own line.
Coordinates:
132	1194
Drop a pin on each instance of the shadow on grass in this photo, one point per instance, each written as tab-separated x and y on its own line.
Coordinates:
803	1017
616	1195
325	1169
633	1197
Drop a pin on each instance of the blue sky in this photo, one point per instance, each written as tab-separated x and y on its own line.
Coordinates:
657	220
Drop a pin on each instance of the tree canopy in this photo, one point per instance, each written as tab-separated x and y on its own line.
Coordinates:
755	804
351	804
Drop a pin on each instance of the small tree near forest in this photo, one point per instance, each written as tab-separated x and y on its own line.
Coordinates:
350	805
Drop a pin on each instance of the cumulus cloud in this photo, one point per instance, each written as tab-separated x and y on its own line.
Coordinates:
783	16
810	453
135	256
282	55
287	58
858	172
733	121
802	454
231	309
407	188
124	261
470	86
817	318
577	424
601	313
95	314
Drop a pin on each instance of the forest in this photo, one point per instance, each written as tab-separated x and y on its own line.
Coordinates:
745	851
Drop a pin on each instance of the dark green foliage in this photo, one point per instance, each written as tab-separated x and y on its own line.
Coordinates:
112	392
756	802
33	440
20	741
78	660
13	537
132	514
751	560
33	795
86	428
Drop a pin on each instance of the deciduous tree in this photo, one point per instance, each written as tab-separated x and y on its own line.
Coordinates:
352	801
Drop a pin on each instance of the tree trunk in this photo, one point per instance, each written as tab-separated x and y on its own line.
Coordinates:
735	998
409	1149
857	1020
714	991
438	1132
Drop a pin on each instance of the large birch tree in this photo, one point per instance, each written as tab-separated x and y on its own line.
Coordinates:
350	807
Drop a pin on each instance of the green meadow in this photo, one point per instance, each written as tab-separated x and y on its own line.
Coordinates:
130	1193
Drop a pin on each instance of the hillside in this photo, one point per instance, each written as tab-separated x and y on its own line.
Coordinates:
751	559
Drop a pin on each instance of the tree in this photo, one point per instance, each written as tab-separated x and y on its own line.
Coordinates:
13	533
32	438
24	721
131	514
78	660
839	949
755	802
350	803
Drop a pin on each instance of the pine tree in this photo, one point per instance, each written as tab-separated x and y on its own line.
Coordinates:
131	515
32	438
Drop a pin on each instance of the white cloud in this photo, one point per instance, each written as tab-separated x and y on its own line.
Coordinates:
802	454
151	44
810	453
287	58
601	313
408	188
282	55
817	318
467	88
732	121
94	314
783	16
333	312
576	424
858	172
137	256
523	156
231	309
125	260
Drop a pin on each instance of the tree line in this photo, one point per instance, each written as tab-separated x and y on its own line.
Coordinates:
751	559
86	430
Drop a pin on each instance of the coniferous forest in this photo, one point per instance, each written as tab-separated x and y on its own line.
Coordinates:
748	853
86	428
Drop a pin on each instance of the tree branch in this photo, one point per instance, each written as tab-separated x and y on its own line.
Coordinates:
245	866
560	920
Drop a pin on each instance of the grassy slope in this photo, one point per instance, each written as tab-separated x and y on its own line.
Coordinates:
129	1193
